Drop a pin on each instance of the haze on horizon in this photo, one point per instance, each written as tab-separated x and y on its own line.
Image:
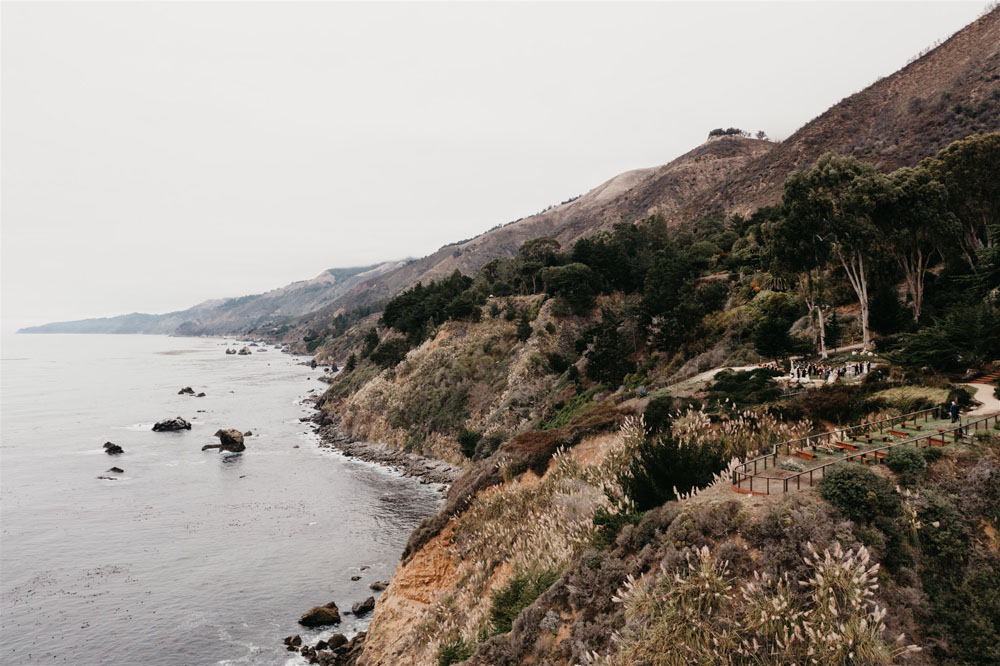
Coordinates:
155	155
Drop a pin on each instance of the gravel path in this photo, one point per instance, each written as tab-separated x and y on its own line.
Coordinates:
984	394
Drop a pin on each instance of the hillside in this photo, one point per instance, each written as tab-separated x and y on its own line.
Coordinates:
949	93
230	316
662	189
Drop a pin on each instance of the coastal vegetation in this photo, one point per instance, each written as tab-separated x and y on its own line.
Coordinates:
580	387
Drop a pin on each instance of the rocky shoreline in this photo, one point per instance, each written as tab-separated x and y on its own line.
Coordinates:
428	470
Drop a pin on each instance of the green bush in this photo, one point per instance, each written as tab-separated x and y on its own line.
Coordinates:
454	652
489	444
932	454
610	524
659	413
557	362
838	404
666	463
390	352
750	387
519	593
468	440
908	463
859	493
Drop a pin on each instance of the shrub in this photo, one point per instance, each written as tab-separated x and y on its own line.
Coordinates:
488	444
390	352
517	594
468	440
609	524
932	454
454	652
658	414
557	362
859	493
667	465
908	463
837	404
751	387
944	538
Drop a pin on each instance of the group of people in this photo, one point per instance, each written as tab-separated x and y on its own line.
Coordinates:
829	373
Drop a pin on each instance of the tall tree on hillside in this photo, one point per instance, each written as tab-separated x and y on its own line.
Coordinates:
838	198
969	169
913	220
793	246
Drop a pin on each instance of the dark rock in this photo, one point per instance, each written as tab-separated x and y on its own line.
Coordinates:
116	470
364	568
321	645
112	449
248	434
363	607
294	639
176	423
335	641
200	395
319	616
292	648
187	390
379	585
231	440
230	351
307	651
355	577
107	478
244	352
312	364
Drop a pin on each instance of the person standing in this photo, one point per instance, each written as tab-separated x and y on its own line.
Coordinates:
953	409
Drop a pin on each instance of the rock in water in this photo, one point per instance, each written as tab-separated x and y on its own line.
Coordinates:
187	390
363	607
112	449
116	470
230	351
379	585
244	352
200	395
320	616
230	440
176	423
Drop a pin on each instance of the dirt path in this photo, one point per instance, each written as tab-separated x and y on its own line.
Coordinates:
984	394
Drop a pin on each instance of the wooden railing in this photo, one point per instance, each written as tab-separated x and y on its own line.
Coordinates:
744	481
768	460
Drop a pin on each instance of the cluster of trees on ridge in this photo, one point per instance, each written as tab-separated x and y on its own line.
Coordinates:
843	232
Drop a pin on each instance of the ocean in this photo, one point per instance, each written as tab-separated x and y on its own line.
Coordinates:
188	556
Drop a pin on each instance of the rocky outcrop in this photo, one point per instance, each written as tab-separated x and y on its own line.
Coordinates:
187	390
113	449
229	440
379	585
362	608
244	352
167	425
429	470
230	351
320	616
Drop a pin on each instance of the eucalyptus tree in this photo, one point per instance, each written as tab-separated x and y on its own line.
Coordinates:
970	170
837	199
914	219
794	246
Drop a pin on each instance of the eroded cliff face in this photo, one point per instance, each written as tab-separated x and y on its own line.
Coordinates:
476	376
443	593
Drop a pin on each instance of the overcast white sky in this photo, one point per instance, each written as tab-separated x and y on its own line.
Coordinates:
157	155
